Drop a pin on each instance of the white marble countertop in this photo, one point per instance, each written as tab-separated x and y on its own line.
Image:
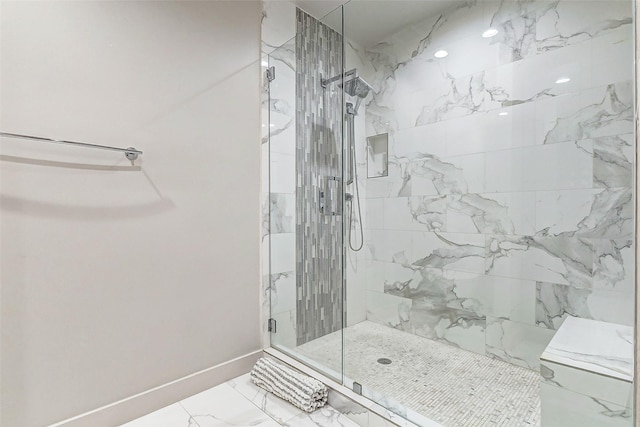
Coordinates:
594	346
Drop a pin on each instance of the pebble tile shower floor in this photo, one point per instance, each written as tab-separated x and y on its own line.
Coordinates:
454	387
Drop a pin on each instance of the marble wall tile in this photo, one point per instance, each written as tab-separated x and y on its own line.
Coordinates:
283	292
282	211
594	213
283	253
489	213
613	158
283	169
412	142
555	302
600	387
460	328
450	251
473	171
490	131
415	213
564	408
567	165
544	259
392	185
482	295
278	24
613	307
374	213
516	343
606	111
614	265
390	245
387	309
388	275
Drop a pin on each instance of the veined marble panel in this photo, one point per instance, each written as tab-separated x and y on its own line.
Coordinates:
387	309
607	111
612	307
283	173
415	213
614	265
413	142
390	245
567	165
283	252
613	158
473	171
555	302
564	408
278	24
390	275
283	292
544	259
374	213
282	211
491	213
482	295
432	173
516	343
600	387
460	328
395	184
601	213
450	251
491	131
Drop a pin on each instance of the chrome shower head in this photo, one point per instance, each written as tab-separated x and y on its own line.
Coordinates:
357	87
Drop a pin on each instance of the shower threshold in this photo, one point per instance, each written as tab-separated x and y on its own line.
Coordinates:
451	386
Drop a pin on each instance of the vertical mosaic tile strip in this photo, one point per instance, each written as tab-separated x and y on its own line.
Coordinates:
319	249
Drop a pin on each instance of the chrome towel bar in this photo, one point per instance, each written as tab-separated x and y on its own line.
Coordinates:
129	152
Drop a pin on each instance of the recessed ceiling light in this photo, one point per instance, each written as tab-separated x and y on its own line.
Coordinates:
489	33
563	80
441	54
503	113
265	64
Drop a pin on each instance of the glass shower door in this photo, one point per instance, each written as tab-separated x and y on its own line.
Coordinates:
305	200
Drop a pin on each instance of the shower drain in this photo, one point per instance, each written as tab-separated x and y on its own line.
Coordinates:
384	361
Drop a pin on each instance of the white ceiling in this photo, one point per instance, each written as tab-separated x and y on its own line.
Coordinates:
369	21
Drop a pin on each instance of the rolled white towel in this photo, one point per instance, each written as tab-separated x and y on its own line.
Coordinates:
300	390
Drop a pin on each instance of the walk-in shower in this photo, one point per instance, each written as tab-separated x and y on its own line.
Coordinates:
491	266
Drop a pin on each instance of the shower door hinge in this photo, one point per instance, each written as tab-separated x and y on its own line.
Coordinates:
271	74
357	387
271	325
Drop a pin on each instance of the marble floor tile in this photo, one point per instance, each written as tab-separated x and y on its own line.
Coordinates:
169	416
268	403
223	406
240	403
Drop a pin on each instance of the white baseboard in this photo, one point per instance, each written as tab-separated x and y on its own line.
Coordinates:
135	406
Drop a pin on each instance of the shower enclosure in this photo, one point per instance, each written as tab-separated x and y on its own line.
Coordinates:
484	274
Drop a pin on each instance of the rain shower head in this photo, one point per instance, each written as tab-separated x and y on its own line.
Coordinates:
353	85
357	87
